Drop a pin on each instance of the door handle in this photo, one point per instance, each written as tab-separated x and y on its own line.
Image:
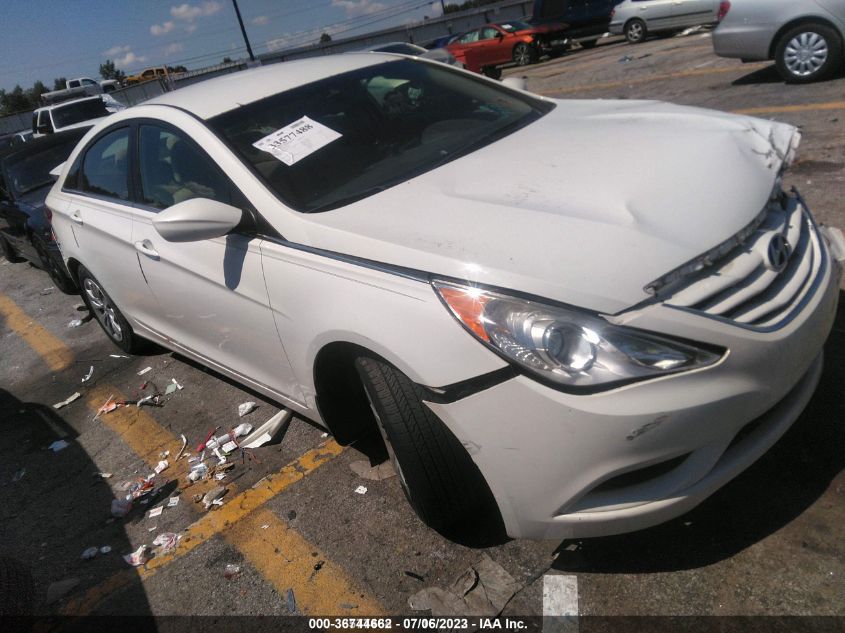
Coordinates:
76	218
146	248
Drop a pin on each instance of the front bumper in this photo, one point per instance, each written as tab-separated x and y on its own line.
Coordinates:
566	466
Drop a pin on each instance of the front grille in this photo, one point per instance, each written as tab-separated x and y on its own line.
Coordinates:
744	286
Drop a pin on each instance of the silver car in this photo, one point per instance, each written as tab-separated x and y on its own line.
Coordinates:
804	37
637	18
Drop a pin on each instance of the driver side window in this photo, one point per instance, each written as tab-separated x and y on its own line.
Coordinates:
488	33
172	170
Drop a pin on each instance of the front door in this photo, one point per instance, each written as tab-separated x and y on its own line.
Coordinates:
694	12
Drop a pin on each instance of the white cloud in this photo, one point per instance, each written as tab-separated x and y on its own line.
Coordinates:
278	43
354	8
172	49
261	20
116	50
190	12
161	29
130	59
190	28
435	10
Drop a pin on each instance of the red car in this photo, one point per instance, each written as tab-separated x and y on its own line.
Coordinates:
490	46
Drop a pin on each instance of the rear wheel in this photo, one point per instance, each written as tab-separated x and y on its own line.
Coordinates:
112	321
439	478
636	31
808	52
8	252
492	71
54	267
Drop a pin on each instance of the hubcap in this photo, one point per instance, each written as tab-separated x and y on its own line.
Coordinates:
635	31
805	54
522	55
103	309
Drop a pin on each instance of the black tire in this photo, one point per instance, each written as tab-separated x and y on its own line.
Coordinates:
523	54
108	315
636	31
493	72
17	588
588	44
823	49
439	478
8	252
54	267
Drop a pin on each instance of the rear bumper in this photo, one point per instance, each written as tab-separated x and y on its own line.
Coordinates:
567	466
741	41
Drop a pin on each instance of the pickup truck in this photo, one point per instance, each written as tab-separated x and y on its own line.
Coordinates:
79	87
148	74
68	115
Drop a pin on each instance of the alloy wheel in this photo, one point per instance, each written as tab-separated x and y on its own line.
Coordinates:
806	54
103	309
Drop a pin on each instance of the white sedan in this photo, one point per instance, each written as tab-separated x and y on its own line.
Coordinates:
577	347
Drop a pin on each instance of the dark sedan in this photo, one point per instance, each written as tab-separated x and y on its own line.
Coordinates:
25	181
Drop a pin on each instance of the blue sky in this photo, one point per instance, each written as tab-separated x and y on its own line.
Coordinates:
44	39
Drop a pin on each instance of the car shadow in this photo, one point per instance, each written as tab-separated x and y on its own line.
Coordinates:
774	491
770	75
55	506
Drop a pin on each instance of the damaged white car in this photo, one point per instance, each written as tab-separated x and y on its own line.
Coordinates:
391	245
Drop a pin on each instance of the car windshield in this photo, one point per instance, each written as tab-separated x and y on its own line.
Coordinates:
341	139
514	25
77	112
29	171
401	48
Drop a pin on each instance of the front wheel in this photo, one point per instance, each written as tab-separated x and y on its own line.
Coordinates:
523	54
112	321
635	31
54	267
808	52
439	478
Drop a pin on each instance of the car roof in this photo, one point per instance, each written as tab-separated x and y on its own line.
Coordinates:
40	144
209	98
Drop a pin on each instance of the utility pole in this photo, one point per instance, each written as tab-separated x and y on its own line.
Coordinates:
443	6
243	30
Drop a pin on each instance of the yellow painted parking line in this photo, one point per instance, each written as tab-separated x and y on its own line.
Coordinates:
808	107
51	350
287	560
651	78
234	510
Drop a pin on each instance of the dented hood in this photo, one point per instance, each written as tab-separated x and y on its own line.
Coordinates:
585	206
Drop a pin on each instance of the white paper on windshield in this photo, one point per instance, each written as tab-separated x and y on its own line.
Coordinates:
296	141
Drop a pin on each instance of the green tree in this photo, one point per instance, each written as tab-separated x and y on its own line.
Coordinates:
38	89
108	71
59	83
325	38
16	101
227	60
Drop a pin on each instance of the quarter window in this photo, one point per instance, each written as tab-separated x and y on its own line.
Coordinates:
105	170
173	170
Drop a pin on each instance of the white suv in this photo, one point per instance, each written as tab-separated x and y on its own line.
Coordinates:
392	245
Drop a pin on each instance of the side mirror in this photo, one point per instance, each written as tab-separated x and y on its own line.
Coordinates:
500	36
196	220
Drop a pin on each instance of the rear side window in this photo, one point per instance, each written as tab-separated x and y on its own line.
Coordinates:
173	170
105	169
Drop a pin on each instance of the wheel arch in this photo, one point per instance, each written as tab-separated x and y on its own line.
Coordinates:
807	19
73	267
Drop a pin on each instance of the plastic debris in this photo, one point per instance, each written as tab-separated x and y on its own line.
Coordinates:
153	400
267	431
246	408
118	356
172	502
56	590
378	472
361	490
231	571
167	541
105	549
178	386
156	511
90	553
75	323
103	475
213	496
47	291
19	475
220	476
120	507
58	445
182	450
162	465
198	471
169	389
144	371
67	401
484	589
626	58
265	526
291	601
324	435
138	557
90	373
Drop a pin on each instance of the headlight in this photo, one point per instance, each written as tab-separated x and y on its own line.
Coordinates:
565	346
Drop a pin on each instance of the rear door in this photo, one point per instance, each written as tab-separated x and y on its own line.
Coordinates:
694	12
657	14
